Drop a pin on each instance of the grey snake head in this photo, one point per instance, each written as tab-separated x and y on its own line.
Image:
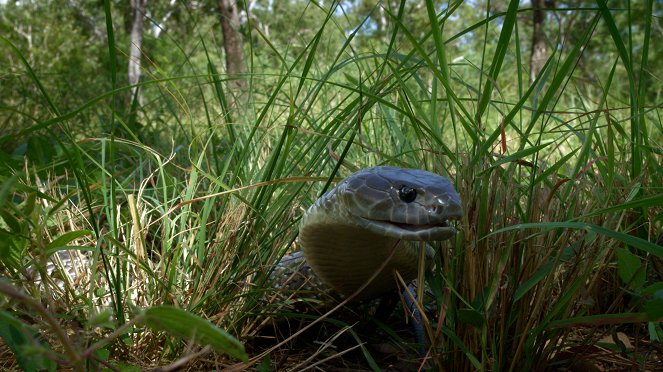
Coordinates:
349	232
408	204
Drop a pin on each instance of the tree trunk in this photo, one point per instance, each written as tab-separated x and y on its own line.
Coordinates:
137	16
539	46
232	44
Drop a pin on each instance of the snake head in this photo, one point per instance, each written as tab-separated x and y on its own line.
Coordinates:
408	204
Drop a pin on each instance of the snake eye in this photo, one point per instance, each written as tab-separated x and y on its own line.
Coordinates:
407	194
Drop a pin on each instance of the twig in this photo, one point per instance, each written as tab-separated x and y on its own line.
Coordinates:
183	360
90	350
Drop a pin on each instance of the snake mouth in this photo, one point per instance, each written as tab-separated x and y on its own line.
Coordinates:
419	227
441	230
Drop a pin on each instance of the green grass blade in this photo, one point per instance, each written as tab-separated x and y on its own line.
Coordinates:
627	239
187	326
498	58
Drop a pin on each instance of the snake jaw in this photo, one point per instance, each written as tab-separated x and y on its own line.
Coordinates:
441	230
375	200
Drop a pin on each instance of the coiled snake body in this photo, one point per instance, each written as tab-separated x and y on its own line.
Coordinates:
348	233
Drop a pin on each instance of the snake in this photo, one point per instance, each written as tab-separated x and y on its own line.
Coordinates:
348	233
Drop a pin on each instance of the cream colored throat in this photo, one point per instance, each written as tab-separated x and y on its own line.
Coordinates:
345	257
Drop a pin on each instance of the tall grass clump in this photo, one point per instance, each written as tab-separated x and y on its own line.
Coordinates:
149	240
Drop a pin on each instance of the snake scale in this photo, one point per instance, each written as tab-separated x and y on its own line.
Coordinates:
348	233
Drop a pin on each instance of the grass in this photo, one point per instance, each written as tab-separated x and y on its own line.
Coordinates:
556	260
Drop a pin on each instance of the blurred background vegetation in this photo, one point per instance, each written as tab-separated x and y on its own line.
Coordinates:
156	157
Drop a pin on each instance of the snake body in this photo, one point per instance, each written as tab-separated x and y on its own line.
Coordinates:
349	232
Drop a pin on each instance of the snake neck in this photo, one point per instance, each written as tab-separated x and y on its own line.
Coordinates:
357	255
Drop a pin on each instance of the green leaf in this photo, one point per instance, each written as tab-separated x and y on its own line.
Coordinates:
22	339
630	269
616	35
554	167
11	222
102	354
654	200
619	318
67	237
655	331
531	282
127	367
7	188
542	272
471	316
631	240
500	53
101	319
654	309
461	345
518	155
11	249
187	326
655	289
265	365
